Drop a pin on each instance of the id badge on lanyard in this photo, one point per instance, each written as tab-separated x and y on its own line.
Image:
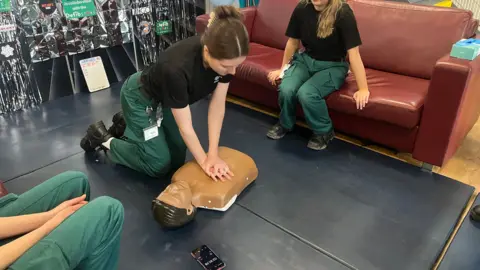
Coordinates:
155	118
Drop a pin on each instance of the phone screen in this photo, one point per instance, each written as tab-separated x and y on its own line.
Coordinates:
207	258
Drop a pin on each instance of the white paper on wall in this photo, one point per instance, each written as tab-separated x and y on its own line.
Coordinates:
94	73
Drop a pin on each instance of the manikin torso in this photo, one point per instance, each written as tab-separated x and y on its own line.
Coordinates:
191	187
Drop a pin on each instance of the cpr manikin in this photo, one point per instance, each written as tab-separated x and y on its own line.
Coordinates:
191	188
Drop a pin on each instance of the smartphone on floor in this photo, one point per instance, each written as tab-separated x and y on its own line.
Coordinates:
207	258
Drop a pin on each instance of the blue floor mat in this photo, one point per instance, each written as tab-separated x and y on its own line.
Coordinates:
464	251
239	237
361	208
369	210
39	136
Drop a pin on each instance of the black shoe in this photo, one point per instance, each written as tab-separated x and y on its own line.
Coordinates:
118	127
96	135
320	142
86	145
475	213
277	132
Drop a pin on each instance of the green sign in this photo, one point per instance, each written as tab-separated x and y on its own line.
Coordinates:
75	9
5	6
163	27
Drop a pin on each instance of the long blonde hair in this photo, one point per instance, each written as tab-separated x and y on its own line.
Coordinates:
327	17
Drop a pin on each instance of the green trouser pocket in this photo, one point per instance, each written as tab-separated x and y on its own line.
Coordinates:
309	82
157	156
6	200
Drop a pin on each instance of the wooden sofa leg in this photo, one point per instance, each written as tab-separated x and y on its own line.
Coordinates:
427	167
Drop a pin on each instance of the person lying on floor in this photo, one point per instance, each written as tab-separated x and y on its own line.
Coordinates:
54	227
328	32
156	102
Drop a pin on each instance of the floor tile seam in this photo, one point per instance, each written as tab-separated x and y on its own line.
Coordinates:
43	166
299	238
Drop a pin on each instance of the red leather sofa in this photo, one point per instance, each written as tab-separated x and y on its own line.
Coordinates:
422	101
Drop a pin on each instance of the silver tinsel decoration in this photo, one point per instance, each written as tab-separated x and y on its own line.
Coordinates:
152	17
44	26
183	15
144	29
114	18
17	90
162	14
50	34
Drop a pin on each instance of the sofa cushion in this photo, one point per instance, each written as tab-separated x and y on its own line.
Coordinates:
407	39
395	99
271	22
260	61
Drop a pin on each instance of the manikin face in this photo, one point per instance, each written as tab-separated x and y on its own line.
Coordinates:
178	194
223	66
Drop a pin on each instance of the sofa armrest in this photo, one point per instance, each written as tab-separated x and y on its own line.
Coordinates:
3	190
450	110
248	13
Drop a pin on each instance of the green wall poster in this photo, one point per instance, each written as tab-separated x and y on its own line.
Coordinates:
75	9
163	27
5	6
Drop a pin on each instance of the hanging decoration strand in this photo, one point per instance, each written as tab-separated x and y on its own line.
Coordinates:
17	90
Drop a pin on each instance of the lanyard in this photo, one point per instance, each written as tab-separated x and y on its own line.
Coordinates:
155	114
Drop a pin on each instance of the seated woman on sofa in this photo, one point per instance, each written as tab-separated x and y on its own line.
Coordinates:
53	227
328	32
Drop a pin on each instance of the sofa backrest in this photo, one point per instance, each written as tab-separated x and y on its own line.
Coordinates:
271	22
407	39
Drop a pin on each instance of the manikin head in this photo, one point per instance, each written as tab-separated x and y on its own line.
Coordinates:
225	41
173	207
329	10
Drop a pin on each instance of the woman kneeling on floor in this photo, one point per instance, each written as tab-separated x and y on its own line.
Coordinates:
328	32
54	227
156	102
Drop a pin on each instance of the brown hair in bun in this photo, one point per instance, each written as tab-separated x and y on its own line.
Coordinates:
227	37
225	12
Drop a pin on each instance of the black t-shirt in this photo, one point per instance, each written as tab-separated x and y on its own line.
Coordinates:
303	26
180	78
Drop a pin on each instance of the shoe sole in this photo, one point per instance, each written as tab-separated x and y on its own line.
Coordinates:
117	117
275	137
85	143
86	146
118	124
320	148
316	148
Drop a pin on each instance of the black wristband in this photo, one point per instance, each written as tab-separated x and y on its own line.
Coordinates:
226	79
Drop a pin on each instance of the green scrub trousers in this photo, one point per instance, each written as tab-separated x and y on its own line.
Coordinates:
155	157
88	239
309	82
